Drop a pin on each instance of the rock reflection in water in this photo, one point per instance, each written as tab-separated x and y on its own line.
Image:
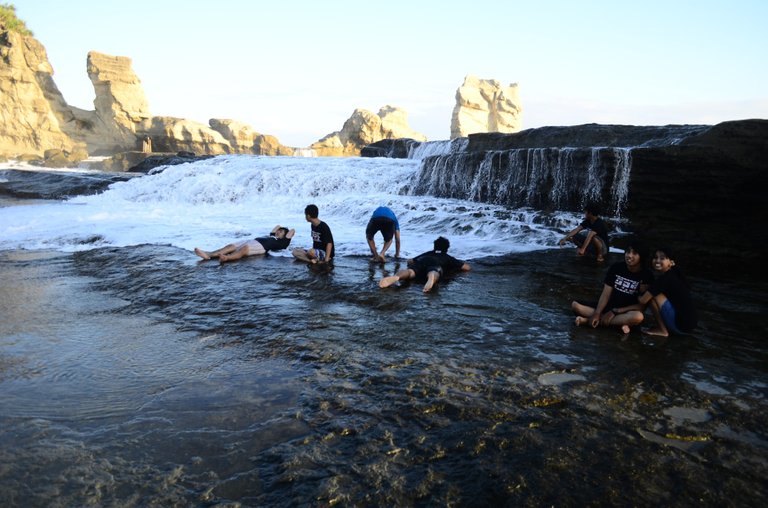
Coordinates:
272	384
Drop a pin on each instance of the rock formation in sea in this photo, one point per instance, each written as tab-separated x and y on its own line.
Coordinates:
364	128
699	188
484	105
35	118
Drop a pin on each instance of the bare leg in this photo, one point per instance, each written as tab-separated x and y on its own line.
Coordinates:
385	282
432	278
582	310
202	253
214	254
597	243
238	254
660	329
303	255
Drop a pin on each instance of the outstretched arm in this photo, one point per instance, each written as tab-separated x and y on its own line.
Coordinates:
570	235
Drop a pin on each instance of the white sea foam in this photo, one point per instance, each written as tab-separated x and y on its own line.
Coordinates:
213	202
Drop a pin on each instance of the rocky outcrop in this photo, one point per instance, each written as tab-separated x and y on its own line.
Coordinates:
484	105
364	128
33	113
243	139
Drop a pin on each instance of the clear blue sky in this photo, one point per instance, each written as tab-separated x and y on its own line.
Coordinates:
298	69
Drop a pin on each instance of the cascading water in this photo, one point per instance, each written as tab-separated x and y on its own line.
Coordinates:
541	178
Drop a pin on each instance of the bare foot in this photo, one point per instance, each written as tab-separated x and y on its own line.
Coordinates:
382	259
202	253
223	258
431	279
580	321
385	282
655	331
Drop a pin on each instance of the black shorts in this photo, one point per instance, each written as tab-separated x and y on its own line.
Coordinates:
383	224
422	270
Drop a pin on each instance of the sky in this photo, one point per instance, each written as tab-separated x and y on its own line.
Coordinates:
298	69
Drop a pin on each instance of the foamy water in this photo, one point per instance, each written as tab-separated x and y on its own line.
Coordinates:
213	202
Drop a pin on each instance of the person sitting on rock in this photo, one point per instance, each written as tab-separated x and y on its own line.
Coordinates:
279	238
429	266
618	304
591	236
669	297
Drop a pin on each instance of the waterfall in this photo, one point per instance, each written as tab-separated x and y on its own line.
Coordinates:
433	148
542	178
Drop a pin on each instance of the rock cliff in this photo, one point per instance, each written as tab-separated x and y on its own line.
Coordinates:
364	128
484	105
34	117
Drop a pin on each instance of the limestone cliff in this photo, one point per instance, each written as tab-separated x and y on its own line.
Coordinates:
364	128
484	105
33	113
35	119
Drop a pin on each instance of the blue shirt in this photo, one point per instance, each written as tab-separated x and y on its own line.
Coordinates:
383	211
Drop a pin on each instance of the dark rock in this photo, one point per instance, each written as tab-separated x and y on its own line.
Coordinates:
155	161
392	148
54	184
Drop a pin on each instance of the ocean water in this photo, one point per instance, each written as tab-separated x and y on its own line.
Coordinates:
132	373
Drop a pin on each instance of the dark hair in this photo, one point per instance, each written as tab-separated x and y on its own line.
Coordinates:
311	211
637	245
284	230
670	254
442	245
592	208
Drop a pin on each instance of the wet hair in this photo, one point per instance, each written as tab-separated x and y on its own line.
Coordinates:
592	208
311	211
637	245
442	245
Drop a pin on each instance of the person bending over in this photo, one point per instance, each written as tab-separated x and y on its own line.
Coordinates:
618	304
591	235
279	238
429	266
383	219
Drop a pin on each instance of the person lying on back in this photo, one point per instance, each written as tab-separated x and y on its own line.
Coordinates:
279	238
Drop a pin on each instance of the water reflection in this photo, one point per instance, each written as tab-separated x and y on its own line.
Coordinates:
152	378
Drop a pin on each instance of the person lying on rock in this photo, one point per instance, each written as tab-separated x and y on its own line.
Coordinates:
618	304
279	238
591	236
429	266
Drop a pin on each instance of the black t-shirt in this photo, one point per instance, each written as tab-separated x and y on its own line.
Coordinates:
672	286
322	236
433	260
599	227
625	284
271	243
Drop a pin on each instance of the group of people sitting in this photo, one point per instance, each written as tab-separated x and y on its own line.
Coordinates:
429	266
629	287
